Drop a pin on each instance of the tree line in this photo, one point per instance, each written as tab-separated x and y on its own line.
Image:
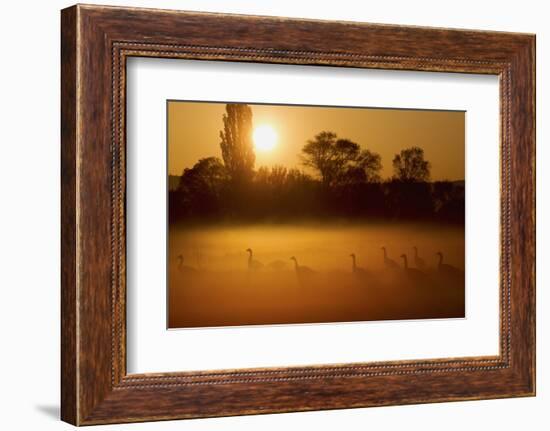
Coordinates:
346	183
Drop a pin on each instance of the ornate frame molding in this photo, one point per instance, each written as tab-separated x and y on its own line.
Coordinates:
96	41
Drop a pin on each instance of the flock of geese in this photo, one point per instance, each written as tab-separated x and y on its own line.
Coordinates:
417	273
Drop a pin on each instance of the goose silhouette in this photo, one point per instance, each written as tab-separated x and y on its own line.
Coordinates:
413	274
303	273
418	261
253	264
448	270
389	263
357	270
185	269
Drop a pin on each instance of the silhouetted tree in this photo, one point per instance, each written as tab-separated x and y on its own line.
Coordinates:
408	199
209	172
347	184
297	177
274	177
340	161
409	166
201	187
236	142
318	154
442	192
449	200
365	169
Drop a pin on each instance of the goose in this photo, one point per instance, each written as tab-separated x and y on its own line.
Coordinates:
253	264
185	269
357	270
302	271
447	269
413	273
389	263
418	261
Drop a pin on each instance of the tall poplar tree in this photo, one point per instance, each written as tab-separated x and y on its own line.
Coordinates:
236	142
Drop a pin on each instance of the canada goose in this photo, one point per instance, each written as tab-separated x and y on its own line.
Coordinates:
185	269
389	263
357	270
447	269
253	264
412	273
418	261
300	269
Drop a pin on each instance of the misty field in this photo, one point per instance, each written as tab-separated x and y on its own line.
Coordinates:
215	281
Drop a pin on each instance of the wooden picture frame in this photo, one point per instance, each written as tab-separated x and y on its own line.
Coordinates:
95	43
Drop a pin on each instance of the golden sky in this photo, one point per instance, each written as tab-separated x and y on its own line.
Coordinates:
194	129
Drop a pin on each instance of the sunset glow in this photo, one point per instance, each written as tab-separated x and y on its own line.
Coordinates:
265	138
287	128
291	214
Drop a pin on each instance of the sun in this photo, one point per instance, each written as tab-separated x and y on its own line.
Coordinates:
265	137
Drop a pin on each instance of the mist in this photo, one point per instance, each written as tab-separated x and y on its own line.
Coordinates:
214	282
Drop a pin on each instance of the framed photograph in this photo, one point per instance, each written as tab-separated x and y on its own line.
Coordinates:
264	215
323	201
